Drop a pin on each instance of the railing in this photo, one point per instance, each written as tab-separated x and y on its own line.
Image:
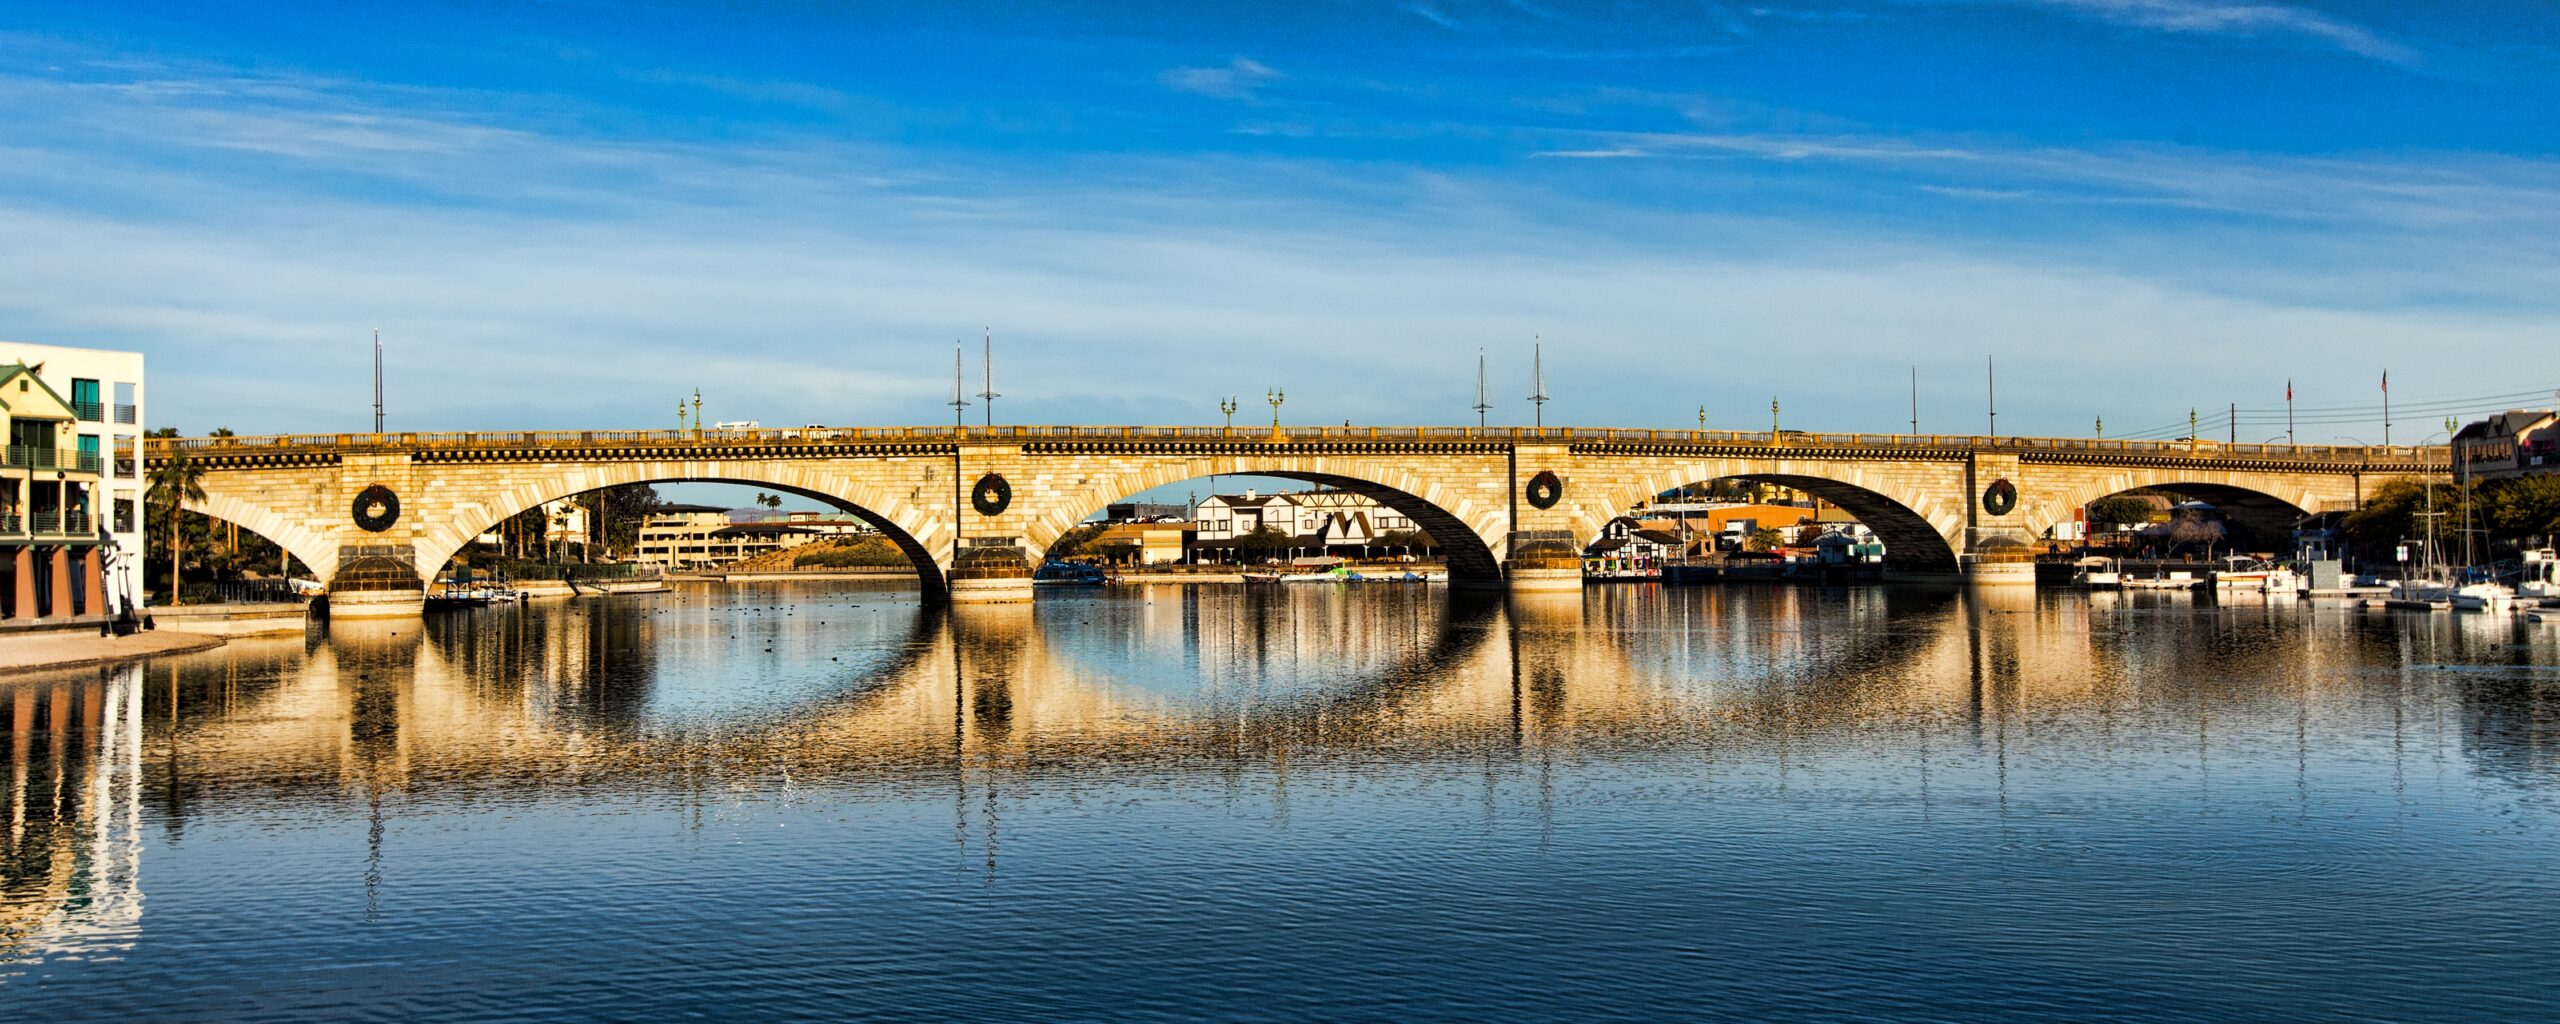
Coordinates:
89	412
584	573
128	413
260	591
12	523
40	457
458	440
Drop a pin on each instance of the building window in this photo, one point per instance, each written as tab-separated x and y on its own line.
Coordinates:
124	514
129	457
128	408
84	401
89	453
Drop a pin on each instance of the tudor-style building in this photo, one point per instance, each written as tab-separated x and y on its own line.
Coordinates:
71	484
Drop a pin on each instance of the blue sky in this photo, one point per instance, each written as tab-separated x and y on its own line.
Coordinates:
568	215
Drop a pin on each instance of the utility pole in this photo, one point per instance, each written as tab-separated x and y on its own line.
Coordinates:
1915	398
377	380
2235	422
2386	408
1538	381
1991	390
959	401
2288	414
990	393
1481	404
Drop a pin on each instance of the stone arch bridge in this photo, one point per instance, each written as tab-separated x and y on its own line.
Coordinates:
377	515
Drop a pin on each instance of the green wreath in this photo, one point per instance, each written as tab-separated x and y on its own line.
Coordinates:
2000	497
992	495
376	508
1545	490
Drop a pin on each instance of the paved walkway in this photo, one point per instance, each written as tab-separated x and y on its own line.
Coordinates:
66	650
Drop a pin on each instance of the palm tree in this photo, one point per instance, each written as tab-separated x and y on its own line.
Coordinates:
175	481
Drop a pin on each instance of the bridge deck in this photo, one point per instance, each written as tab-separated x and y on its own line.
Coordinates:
1912	446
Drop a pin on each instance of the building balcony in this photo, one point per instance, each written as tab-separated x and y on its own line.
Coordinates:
128	413
12	524
37	457
89	412
73	523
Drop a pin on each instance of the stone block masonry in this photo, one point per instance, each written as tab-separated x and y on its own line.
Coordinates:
1510	508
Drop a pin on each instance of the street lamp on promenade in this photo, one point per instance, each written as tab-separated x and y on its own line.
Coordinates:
1227	405
1276	396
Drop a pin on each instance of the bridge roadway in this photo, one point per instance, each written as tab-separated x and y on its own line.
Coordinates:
378	515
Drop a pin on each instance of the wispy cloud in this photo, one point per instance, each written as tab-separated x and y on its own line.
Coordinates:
1240	79
1434	15
2218	17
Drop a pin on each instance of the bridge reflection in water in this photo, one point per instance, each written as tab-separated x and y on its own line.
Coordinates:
1884	694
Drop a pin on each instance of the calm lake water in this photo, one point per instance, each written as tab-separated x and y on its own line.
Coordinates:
802	802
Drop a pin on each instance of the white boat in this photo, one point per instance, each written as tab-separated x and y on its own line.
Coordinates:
2098	574
2541	581
2483	597
2421	595
2172	581
2265	580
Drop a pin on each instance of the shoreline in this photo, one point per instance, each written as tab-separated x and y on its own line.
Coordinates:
49	651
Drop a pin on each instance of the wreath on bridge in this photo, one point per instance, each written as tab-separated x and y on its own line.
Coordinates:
2000	497
1545	490
992	495
377	508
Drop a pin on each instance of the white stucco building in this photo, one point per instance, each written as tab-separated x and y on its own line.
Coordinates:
72	486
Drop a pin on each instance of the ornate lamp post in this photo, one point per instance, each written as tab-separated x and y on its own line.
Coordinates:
2102	428
1773	419
1227	405
1276	396
697	412
1702	419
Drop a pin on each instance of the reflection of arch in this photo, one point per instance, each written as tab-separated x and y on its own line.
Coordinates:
1470	557
1464	623
315	548
438	541
1912	541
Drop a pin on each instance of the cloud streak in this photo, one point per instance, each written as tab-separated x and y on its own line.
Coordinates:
2217	17
1240	79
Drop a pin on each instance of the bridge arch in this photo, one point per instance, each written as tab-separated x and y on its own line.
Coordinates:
2266	504
1464	524
442	533
314	548
1922	526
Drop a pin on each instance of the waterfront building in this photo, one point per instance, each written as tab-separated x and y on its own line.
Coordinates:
1628	545
2519	442
1143	511
1144	543
71	491
680	537
1327	519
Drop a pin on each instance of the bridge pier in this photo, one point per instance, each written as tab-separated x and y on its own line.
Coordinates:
991	570
1543	561
377	581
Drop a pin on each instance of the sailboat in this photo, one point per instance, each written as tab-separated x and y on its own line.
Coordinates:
2427	586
